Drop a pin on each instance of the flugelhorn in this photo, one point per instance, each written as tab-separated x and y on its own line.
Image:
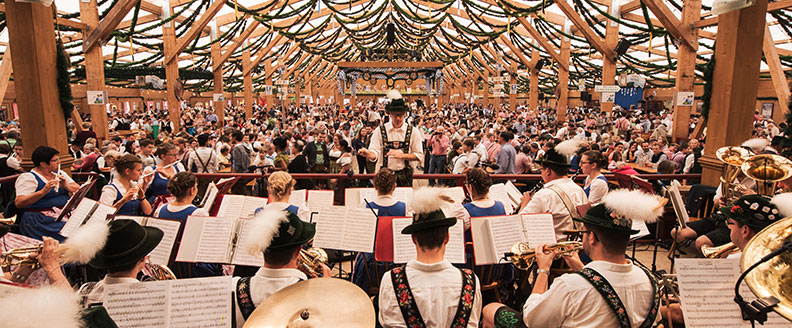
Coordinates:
719	252
767	170
27	256
523	256
310	261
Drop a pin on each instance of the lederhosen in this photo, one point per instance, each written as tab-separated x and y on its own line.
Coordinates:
403	176
409	308
614	302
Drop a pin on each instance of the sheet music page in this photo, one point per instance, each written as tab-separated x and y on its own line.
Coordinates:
222	181
360	229
170	228
251	205
241	254
231	206
215	239
403	194
539	229
514	194
455	193
498	192
78	215
297	197
200	302
330	227
351	196
137	305
678	203
318	199
404	249
101	212
706	288
209	196
643	230
369	194
505	231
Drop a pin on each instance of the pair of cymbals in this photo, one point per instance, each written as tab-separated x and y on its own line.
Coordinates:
319	302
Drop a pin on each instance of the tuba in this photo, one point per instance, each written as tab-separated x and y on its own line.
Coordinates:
719	252
310	261
773	277
523	256
733	157
767	170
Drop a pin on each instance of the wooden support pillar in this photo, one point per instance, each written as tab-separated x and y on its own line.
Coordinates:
738	53
5	73
171	74
776	70
686	70
268	69
513	95
94	70
248	85
563	77
533	93
609	64
217	73
32	36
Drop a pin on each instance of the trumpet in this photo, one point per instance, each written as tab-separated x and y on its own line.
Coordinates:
719	252
26	256
310	261
523	256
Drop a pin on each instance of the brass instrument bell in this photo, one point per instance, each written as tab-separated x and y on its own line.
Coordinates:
767	170
774	277
310	261
523	256
733	157
719	252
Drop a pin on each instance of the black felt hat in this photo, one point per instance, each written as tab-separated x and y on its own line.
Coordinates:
397	103
755	211
552	157
427	206
275	229
619	208
127	243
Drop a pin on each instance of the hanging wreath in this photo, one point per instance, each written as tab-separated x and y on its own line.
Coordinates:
408	81
63	80
390	83
366	76
413	75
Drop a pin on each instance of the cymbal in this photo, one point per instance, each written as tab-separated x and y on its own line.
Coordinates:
319	302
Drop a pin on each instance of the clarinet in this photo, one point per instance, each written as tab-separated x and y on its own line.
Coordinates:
539	185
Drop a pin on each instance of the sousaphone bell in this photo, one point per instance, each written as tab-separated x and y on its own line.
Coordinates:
774	277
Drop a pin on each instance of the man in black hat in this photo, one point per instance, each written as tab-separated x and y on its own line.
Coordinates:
279	235
560	196
428	291
123	257
609	291
750	214
396	145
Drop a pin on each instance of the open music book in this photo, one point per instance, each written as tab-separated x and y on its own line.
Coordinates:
87	210
196	302
319	199
170	228
354	196
224	240
239	206
347	228
76	198
494	236
678	204
706	288
507	194
404	249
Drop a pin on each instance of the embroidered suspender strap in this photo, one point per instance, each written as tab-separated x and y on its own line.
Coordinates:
614	302
466	298
567	202
387	145
404	296
243	297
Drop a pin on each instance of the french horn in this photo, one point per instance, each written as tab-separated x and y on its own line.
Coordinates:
310	261
774	277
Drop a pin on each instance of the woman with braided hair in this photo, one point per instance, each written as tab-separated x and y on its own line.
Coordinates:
125	193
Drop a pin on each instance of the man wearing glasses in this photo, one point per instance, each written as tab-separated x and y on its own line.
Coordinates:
395	144
607	292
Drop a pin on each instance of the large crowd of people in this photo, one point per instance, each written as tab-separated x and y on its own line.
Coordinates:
146	168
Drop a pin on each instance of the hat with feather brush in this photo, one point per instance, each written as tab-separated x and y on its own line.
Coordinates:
427	206
560	154
275	229
619	208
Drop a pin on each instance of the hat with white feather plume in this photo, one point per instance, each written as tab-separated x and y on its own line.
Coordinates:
561	153
88	240
127	243
397	103
619	208
276	229
427	204
757	145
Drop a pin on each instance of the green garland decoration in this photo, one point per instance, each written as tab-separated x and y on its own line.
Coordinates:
709	72
64	86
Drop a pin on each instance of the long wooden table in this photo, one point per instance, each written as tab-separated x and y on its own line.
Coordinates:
643	168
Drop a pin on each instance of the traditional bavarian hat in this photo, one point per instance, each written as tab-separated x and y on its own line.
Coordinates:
127	243
560	154
397	102
619	208
427	208
274	229
758	211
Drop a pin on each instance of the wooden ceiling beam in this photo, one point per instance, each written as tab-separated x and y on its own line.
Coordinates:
672	23
195	30
109	23
263	53
584	28
237	43
543	42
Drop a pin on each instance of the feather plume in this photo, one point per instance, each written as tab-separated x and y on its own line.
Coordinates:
264	228
394	94
633	204
428	199
62	307
784	203
88	240
756	144
569	147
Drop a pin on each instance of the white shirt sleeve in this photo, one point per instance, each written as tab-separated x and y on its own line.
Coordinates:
66	177
458	211
198	212
547	309
538	204
389	312
101	162
375	144
416	145
109	195
25	184
13	163
689	160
